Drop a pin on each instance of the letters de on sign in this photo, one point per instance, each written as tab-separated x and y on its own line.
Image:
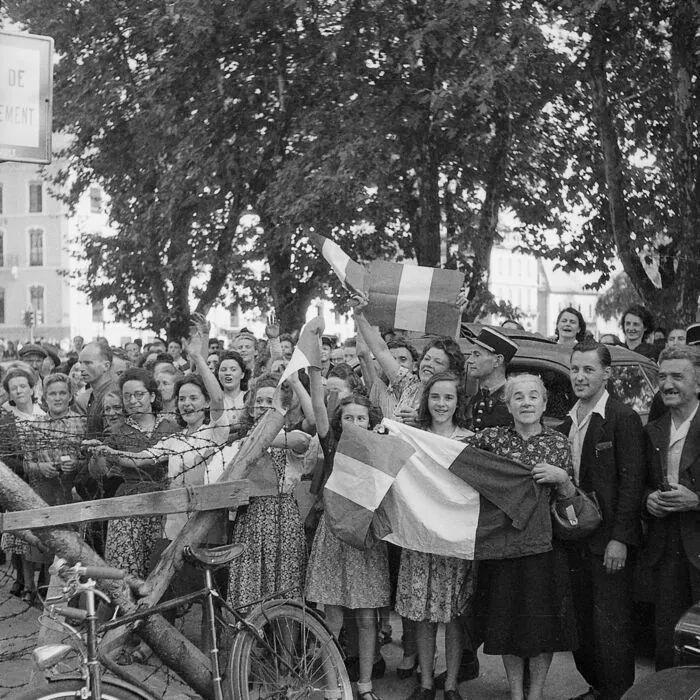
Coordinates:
26	70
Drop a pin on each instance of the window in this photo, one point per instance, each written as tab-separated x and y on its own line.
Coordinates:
36	196
2	249
36	247
2	305
95	200
36	300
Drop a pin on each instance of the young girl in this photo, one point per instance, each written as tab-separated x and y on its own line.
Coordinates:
432	588
340	576
274	558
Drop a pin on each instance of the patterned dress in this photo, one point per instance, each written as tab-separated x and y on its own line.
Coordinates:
523	605
10	543
340	574
433	588
130	541
274	558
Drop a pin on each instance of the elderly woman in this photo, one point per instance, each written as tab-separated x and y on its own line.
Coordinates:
52	458
523	604
19	383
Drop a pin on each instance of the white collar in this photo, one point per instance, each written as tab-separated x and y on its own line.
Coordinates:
599	408
682	430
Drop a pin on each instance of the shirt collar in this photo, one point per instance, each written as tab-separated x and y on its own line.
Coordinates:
682	430
599	408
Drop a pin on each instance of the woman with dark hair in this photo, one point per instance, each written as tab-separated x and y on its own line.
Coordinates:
200	406
274	558
439	355
130	541
339	575
636	323
433	589
570	327
234	376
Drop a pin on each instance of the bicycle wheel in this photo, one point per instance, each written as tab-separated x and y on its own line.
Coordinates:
292	656
73	687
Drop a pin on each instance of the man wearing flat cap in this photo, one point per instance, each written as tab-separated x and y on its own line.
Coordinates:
488	362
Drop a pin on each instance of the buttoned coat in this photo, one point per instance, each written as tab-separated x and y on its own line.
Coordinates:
613	467
658	435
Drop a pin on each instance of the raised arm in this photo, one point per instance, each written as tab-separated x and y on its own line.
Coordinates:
304	400
369	369
374	340
195	345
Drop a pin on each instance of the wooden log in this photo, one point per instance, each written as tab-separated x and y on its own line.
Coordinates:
197	498
172	647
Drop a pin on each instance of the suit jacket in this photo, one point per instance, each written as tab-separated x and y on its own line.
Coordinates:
613	466
658	434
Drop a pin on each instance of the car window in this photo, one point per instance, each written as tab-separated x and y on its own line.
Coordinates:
631	385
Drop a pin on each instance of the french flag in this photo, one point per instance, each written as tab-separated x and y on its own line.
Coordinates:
432	494
407	297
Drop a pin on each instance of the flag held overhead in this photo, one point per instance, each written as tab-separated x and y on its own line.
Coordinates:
408	297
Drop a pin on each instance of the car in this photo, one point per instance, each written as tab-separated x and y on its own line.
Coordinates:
682	682
633	381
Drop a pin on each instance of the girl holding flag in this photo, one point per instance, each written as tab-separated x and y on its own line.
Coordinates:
339	575
432	588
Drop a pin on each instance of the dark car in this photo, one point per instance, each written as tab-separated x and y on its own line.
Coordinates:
683	681
634	377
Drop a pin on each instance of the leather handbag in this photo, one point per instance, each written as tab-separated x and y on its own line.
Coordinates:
575	517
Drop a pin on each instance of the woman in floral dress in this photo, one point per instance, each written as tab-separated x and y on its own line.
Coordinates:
431	588
523	604
274	558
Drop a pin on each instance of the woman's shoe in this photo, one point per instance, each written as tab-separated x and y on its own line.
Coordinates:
29	597
404	673
17	589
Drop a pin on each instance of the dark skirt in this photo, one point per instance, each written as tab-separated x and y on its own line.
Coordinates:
524	606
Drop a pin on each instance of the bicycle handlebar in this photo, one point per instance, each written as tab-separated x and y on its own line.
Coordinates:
105	572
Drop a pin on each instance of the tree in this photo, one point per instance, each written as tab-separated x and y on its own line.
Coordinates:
619	296
633	125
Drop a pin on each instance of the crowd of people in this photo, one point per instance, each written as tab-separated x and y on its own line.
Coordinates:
108	421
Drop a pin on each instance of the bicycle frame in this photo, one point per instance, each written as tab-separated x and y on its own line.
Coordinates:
207	595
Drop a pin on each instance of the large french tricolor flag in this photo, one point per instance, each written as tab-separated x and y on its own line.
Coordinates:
432	494
409	297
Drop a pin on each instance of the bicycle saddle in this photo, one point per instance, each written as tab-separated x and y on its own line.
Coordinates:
211	557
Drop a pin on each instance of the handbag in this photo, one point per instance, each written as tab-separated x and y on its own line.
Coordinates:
575	517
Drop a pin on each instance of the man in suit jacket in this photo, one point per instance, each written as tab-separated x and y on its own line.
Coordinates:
673	497
606	439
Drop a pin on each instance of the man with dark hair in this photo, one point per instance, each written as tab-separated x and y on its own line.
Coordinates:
672	499
487	363
96	369
607	448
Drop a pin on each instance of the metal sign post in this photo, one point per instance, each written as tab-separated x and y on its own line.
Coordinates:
26	86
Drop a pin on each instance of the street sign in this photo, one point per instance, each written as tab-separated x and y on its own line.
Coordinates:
26	86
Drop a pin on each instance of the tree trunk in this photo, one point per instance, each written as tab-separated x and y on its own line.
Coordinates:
612	158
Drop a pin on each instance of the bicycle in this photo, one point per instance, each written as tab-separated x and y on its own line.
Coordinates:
281	649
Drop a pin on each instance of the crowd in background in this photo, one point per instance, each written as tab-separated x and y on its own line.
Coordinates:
103	421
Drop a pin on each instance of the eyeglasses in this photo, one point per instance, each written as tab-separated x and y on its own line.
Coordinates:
138	395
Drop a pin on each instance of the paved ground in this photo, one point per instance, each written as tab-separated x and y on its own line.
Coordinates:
19	625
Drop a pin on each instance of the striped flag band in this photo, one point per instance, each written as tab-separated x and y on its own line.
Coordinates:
307	352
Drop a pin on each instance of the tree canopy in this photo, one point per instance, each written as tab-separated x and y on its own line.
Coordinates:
400	128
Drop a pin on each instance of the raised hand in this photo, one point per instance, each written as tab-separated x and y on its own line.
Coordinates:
272	329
